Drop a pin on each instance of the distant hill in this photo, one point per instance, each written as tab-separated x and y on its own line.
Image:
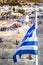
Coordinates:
23	1
32	0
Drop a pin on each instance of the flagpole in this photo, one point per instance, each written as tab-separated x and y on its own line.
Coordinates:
36	60
36	56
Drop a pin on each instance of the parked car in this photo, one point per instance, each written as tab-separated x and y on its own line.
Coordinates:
16	25
39	23
1	40
3	29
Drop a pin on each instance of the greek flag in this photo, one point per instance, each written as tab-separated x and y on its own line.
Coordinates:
29	44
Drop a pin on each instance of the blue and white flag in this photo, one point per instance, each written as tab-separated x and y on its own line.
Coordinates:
29	44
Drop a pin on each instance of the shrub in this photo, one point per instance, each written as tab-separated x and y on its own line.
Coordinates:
13	9
37	4
21	11
20	5
29	4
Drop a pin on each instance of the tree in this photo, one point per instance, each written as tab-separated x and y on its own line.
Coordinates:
21	11
13	9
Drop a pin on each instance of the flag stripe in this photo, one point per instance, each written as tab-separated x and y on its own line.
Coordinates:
20	52
32	28
32	47
29	32
27	52
29	43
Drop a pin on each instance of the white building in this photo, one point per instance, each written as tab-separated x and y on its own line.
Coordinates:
5	8
26	18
